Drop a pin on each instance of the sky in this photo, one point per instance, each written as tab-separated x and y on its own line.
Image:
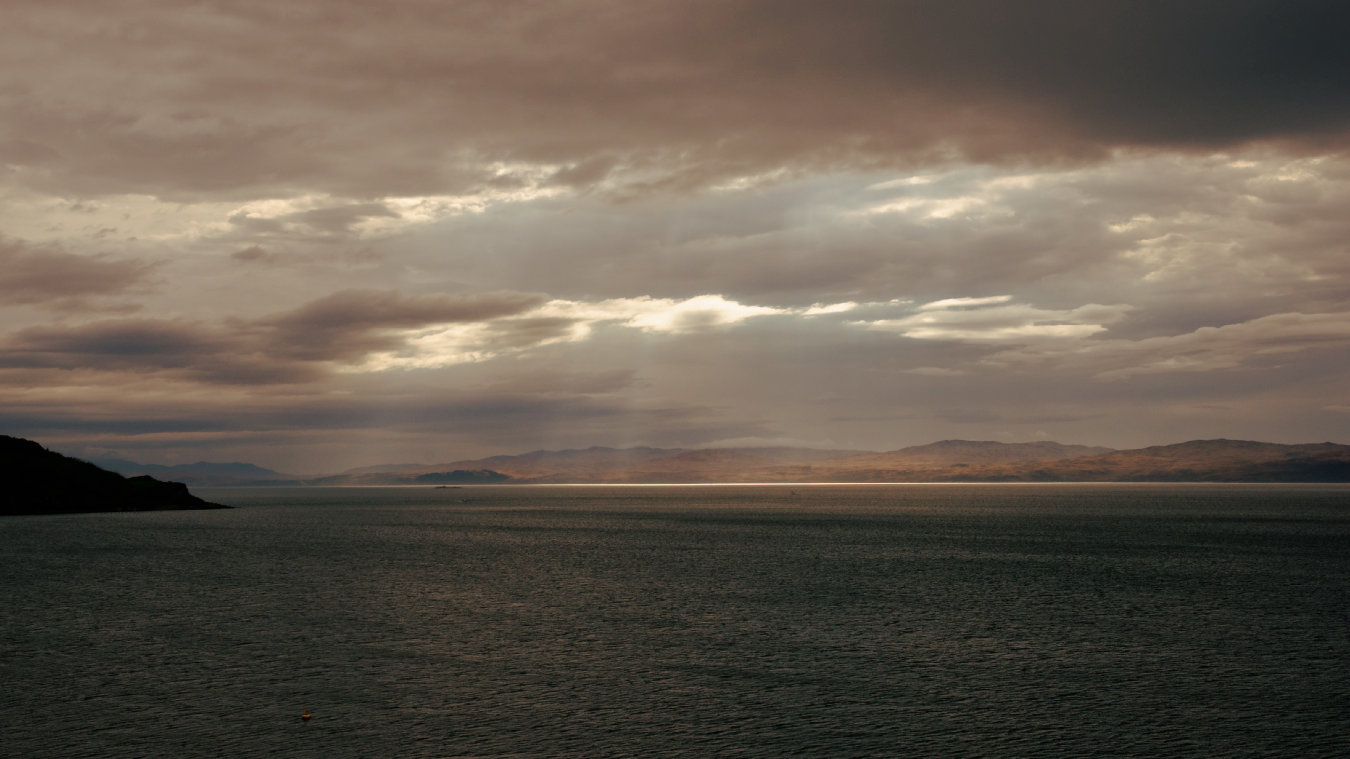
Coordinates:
322	234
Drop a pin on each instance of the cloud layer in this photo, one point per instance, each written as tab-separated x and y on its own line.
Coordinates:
315	234
352	98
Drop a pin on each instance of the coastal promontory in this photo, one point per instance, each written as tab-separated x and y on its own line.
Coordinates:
38	481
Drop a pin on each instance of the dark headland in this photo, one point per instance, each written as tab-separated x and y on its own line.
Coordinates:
38	481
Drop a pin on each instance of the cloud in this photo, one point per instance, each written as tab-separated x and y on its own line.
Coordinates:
935	371
1206	349
820	309
288	347
52	277
348	325
250	254
951	303
701	312
321	223
988	320
567	321
375	331
178	350
1155	231
551	322
787	218
373	309
212	99
123	342
367	330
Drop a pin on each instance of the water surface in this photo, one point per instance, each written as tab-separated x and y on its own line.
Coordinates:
941	620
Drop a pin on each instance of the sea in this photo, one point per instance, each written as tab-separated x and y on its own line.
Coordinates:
1101	620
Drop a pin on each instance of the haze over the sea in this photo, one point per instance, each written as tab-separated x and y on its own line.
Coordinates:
323	234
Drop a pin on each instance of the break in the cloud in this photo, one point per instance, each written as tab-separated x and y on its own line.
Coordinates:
319	233
571	321
348	325
994	319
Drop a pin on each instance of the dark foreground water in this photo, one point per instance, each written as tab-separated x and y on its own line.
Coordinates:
1056	621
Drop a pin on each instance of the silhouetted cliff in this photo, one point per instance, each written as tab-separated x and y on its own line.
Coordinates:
38	481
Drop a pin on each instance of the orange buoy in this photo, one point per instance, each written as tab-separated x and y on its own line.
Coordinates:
305	716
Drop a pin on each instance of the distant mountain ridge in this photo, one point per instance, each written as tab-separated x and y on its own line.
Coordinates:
1213	461
624	465
450	477
201	473
941	461
974	452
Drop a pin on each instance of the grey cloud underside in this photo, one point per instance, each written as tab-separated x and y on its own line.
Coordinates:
367	100
62	280
281	348
349	325
380	308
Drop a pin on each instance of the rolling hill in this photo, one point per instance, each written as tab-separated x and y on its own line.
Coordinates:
942	461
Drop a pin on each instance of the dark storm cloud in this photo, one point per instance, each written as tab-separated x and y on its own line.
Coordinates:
1117	71
366	99
48	275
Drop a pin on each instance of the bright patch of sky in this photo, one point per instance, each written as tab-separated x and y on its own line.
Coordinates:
994	319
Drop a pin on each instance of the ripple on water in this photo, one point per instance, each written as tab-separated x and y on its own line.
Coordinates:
980	621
